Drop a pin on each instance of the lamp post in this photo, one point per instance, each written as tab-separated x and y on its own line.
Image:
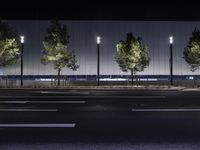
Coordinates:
171	40
22	53
98	47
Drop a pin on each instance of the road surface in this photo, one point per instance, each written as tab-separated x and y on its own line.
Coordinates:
99	119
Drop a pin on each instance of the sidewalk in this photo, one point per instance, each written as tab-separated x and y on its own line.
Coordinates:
150	87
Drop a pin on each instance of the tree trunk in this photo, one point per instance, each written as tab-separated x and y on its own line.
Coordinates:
136	79
51	81
6	81
131	76
59	77
194	81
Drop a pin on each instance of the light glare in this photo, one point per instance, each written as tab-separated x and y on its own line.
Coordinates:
171	39
22	39
98	40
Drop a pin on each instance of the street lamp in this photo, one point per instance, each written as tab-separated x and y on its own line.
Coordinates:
98	47
171	40
22	53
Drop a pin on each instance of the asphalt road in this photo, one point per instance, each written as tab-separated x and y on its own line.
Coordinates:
77	106
99	119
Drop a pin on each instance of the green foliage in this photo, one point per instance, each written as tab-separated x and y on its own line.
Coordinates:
55	47
57	33
6	32
192	50
72	61
132	54
9	46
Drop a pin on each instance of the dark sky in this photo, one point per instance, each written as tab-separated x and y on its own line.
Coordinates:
102	10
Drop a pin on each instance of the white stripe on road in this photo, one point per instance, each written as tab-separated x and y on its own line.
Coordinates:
29	110
56	102
13	102
141	97
58	125
42	102
69	92
98	96
166	110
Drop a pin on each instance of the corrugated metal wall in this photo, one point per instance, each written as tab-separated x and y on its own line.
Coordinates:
83	41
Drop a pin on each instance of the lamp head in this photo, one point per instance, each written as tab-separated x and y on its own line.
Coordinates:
98	39
22	39
171	39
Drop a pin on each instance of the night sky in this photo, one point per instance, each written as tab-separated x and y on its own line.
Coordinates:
102	10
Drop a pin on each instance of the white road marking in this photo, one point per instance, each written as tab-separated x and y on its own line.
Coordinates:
13	102
69	92
44	92
56	102
42	102
159	97
97	96
190	89
53	125
29	110
166	110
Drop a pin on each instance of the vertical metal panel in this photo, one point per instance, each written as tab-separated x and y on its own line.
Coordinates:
83	41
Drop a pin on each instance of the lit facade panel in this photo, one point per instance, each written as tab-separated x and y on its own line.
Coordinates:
83	41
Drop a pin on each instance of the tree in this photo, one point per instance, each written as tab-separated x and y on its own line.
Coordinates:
132	55
191	52
55	48
9	45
